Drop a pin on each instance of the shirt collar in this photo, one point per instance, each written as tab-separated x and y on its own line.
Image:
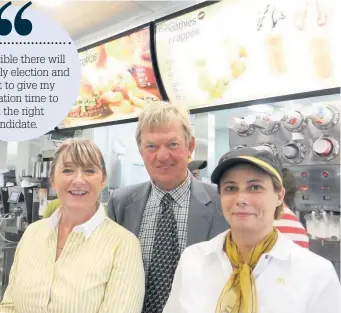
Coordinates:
281	249
87	228
177	193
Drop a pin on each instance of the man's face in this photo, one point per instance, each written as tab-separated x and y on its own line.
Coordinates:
196	173
165	153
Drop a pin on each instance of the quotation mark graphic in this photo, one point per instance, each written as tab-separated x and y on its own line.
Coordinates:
23	27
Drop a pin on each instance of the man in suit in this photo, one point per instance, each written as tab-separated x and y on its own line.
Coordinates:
173	210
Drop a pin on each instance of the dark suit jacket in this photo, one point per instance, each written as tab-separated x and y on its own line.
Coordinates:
205	219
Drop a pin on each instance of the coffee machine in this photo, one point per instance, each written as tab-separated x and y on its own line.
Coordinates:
304	134
21	207
41	173
6	177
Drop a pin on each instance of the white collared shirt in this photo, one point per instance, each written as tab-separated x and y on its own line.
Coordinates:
289	279
86	228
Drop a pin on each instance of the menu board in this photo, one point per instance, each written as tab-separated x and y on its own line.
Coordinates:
117	81
240	50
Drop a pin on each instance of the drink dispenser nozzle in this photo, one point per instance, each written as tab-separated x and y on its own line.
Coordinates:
294	151
290	151
326	147
268	146
264	122
240	126
322	116
293	120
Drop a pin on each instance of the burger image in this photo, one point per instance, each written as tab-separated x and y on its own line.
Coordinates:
88	106
107	88
86	111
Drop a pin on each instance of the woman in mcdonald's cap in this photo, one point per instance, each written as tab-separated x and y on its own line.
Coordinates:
252	268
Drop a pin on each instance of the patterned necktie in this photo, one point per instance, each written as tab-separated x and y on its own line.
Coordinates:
165	258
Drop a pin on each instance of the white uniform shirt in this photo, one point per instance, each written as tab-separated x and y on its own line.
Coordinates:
289	279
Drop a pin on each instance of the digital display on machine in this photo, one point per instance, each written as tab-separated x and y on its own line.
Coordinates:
235	51
117	81
14	197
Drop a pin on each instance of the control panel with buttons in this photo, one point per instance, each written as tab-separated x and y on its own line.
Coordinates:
317	186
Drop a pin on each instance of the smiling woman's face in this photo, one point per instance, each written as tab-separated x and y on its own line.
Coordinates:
77	186
78	174
248	198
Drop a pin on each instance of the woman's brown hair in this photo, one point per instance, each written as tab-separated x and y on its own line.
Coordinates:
82	152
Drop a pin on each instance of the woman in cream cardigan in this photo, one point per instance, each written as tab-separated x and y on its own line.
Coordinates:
252	268
77	260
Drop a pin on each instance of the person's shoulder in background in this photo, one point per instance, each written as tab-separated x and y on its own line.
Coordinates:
289	225
54	205
51	208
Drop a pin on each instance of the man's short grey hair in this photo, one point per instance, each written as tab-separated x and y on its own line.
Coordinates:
161	113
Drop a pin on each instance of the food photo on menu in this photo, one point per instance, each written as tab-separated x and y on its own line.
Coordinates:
215	85
280	48
117	81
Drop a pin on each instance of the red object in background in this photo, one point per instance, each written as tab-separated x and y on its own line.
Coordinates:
293	121
290	226
325	174
144	76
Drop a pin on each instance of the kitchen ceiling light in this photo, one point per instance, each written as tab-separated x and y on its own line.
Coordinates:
50	3
261	108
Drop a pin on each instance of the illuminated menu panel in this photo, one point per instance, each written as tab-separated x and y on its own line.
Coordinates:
244	50
117	81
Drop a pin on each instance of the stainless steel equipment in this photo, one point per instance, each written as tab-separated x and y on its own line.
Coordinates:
41	175
23	205
7	176
305	135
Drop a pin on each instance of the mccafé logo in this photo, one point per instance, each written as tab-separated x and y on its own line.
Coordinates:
201	15
182	24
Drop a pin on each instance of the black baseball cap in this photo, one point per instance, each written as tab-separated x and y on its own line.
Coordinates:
196	164
262	159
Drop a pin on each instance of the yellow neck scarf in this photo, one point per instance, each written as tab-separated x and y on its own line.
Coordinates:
239	293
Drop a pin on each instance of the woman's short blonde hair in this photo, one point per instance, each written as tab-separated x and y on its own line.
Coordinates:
82	152
160	113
